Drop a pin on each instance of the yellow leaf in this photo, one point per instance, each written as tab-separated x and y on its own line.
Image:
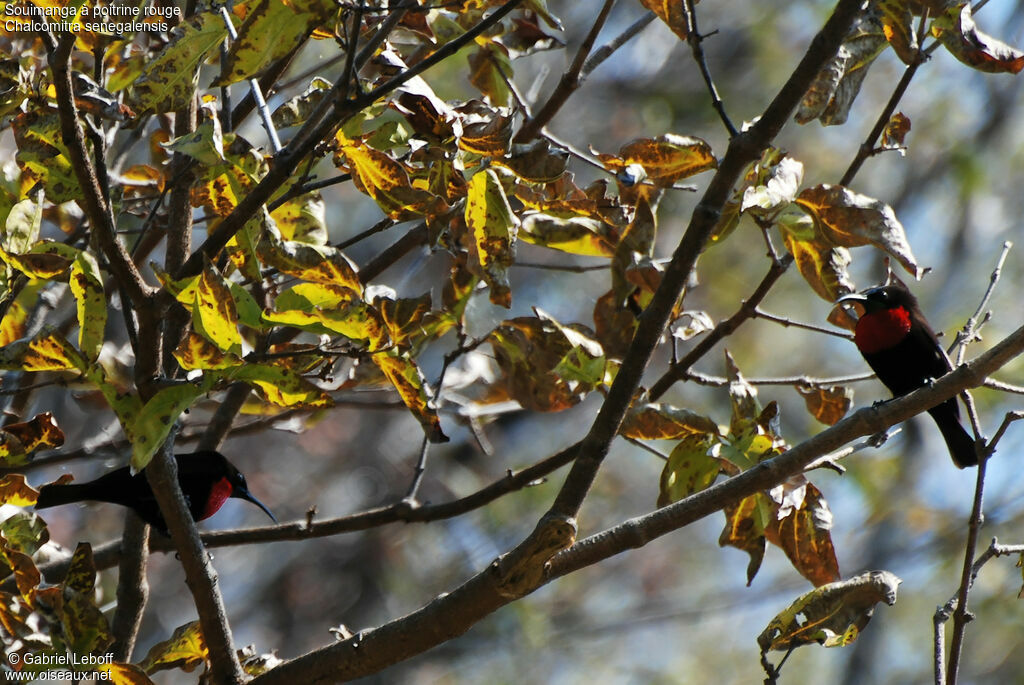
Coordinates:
87	288
185	649
15	490
213	312
22	438
196	352
665	159
403	373
281	386
494	227
48	351
320	264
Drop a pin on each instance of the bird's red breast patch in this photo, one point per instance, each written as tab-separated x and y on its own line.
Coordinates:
219	494
881	330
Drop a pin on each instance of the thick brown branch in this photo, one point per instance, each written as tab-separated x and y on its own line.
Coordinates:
93	202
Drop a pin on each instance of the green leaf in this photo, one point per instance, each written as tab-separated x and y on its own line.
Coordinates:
270	31
23	531
168	82
157	417
85	628
42	156
87	288
689	469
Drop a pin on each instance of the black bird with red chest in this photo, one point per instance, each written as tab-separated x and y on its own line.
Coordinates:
896	341
207	480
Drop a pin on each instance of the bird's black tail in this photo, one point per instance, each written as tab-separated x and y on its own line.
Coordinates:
55	495
958	440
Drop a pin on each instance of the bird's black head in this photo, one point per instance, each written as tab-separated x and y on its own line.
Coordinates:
883	297
240	490
215	472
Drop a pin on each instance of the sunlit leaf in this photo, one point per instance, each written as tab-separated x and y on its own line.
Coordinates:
530	351
494	228
213	311
47	351
42	156
403	373
894	134
837	85
281	386
185	649
670	12
802	528
22	438
157	416
745	522
124	674
388	183
85	628
665	159
270	31
824	267
899	29
196	352
87	288
24	531
536	163
14	489
657	421
957	31
21	230
296	110
848	219
832	615
320	264
485	131
827	404
168	82
303	219
690	468
489	67
575	234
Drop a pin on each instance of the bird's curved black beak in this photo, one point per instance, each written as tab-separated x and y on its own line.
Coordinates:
852	297
243	493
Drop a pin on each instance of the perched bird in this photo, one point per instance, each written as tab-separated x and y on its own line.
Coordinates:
207	480
897	342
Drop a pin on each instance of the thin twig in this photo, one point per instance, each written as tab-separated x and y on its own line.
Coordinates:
867	148
696	40
761	314
723	329
609	48
970	328
569	82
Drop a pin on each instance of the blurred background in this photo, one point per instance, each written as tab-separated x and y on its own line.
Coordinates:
677	610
